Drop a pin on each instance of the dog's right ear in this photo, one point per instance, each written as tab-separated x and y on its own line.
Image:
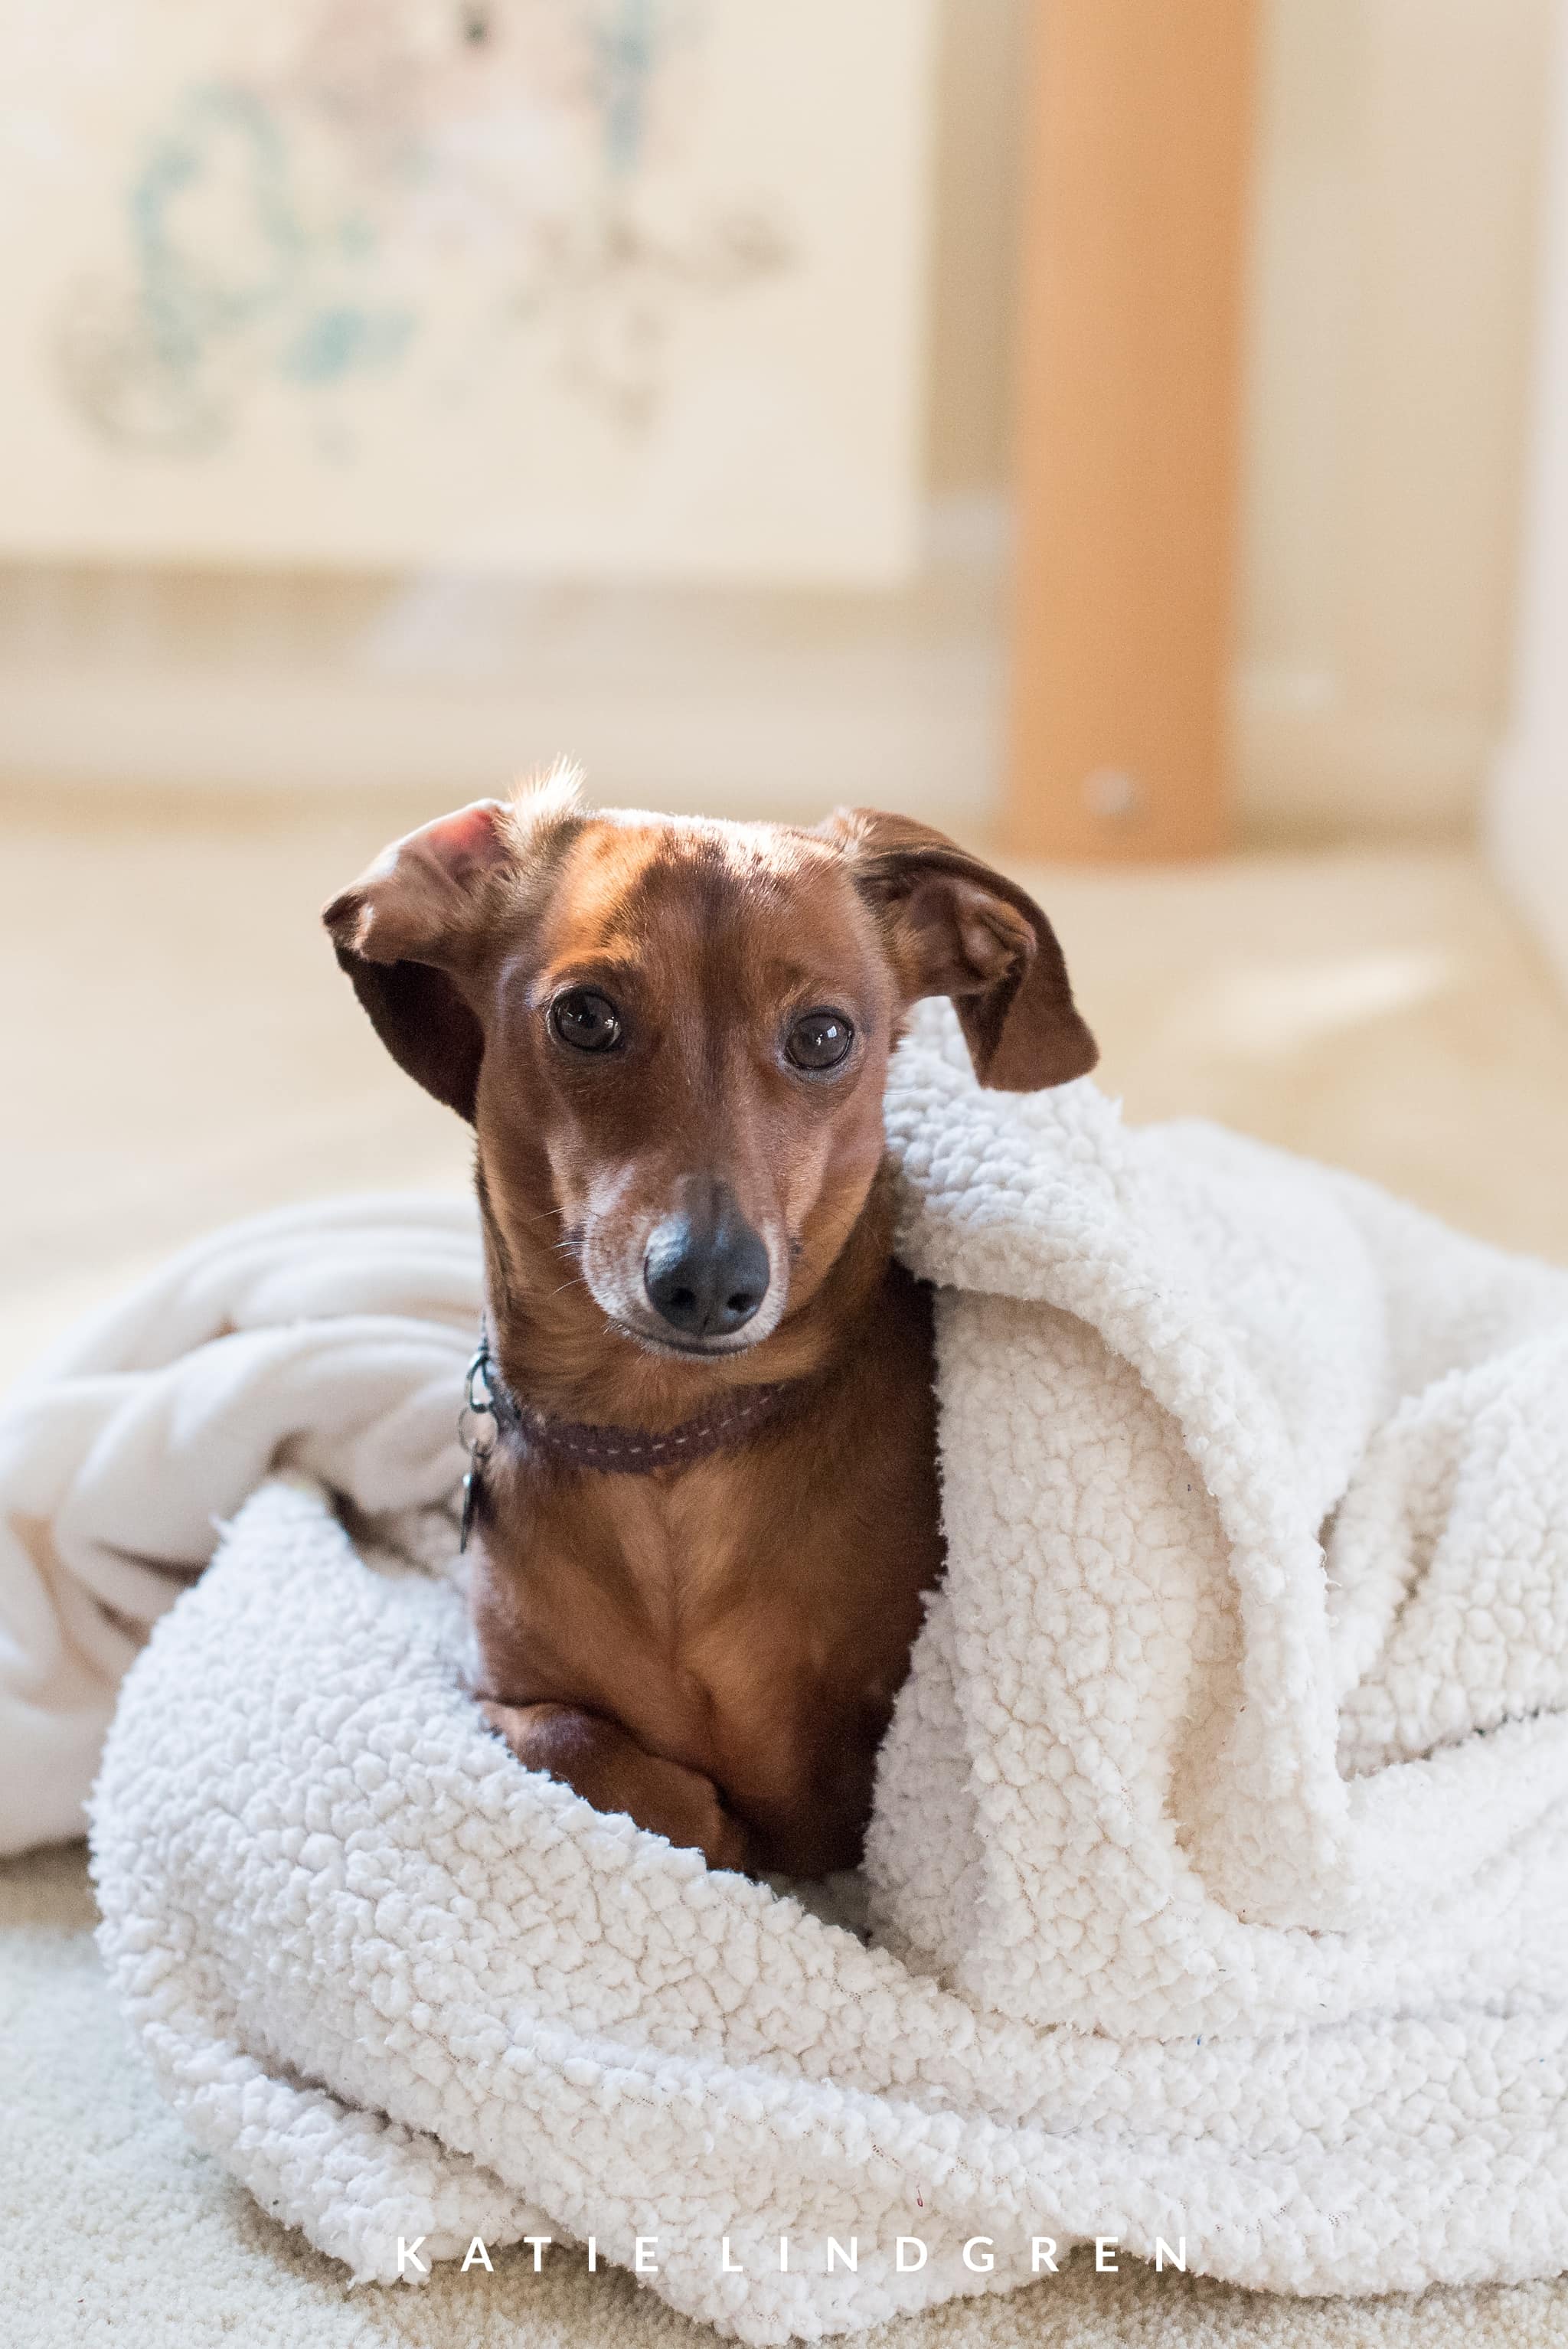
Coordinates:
399	930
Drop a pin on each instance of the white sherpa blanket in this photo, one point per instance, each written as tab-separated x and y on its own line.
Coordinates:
1217	1880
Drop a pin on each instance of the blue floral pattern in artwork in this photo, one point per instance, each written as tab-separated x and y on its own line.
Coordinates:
274	234
163	364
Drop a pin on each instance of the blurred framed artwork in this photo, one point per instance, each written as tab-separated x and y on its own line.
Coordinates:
586	287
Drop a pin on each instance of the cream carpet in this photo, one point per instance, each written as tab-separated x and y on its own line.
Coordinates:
188	1056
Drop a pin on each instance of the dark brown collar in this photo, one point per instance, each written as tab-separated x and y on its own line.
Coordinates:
624	1451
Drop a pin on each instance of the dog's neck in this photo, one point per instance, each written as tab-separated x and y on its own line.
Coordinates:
558	1354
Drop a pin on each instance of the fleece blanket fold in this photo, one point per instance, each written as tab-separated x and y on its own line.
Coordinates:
1217	1888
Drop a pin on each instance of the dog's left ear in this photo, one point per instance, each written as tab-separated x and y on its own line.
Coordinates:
399	930
958	928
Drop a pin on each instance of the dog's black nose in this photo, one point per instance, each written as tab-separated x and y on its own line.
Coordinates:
705	1271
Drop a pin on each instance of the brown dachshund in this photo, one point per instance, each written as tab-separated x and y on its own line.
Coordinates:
711	1516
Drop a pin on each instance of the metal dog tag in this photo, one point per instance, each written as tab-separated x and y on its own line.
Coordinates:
477	1406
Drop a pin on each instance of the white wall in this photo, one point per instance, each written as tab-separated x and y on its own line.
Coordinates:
1392	297
982	64
1527	819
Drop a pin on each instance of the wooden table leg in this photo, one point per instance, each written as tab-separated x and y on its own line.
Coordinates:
1127	428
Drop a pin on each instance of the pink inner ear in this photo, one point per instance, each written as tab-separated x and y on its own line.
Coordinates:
464	840
413	902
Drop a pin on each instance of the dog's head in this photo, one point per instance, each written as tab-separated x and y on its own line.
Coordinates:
672	1035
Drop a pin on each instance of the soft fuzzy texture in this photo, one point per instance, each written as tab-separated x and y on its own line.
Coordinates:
119	2232
1218	1872
334	1337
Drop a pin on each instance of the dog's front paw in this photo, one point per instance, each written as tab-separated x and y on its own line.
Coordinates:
604	1762
510	1722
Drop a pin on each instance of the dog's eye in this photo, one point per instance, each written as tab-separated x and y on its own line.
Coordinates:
819	1040
585	1019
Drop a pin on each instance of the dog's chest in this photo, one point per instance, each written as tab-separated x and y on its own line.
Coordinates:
731	1617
